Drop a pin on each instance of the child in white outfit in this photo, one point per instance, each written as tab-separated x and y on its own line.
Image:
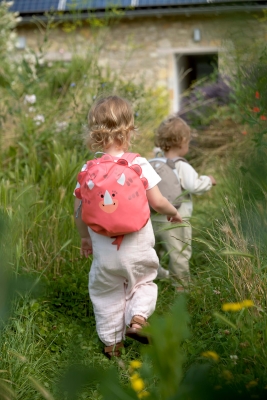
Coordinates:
173	136
121	284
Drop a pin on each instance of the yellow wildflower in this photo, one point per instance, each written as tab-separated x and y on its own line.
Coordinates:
247	303
135	376
135	364
251	384
231	307
237	306
227	375
143	394
211	354
137	383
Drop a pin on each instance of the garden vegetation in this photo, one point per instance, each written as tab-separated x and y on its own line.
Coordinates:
209	343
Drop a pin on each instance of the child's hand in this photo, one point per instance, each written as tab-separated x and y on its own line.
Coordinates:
212	180
86	247
176	218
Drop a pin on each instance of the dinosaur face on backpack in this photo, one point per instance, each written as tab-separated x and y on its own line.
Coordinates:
109	197
108	202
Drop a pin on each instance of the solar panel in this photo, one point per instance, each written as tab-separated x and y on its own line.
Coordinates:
161	2
155	3
102	4
95	4
34	6
40	6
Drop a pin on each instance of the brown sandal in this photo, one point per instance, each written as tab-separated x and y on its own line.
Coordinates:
136	333
113	350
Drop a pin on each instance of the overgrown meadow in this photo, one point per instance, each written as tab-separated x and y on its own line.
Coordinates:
209	343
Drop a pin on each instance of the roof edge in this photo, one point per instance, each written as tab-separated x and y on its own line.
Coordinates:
151	12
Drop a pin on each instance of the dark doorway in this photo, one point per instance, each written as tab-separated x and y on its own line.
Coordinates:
193	67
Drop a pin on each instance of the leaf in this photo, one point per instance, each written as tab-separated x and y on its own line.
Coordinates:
24	191
166	352
25	148
206	243
184	193
236	253
224	319
173	226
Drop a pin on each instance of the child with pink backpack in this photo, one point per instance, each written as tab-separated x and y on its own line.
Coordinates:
112	215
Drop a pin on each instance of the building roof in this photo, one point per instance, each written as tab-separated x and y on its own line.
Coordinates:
27	8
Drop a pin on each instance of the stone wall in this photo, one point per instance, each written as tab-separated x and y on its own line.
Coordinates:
146	49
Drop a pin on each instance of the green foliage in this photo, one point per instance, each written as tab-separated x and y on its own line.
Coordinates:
163	359
166	354
8	21
49	346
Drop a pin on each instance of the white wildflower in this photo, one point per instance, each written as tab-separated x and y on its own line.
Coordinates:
30	59
39	119
30	98
10	46
12	36
32	109
60	126
233	357
216	291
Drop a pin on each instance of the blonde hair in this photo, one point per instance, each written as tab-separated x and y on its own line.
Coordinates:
172	132
110	120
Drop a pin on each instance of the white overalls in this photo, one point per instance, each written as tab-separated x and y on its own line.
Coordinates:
121	281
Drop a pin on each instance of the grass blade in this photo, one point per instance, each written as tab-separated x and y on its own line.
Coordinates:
224	319
43	391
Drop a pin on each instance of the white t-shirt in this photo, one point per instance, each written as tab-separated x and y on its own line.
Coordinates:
148	172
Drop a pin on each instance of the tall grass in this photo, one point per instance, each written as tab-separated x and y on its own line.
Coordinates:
41	154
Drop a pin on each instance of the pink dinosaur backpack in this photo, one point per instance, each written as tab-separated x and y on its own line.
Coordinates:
113	196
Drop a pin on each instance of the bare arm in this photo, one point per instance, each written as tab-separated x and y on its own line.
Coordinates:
160	204
81	226
86	243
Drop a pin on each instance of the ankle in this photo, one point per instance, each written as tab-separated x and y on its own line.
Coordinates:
113	350
138	321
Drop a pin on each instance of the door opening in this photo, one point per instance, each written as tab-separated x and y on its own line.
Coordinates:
193	67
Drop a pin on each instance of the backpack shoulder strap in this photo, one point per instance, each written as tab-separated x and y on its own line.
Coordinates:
171	162
159	159
130	156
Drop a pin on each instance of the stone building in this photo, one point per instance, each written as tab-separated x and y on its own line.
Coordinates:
167	43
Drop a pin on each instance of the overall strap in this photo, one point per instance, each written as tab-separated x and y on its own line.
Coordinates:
130	156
